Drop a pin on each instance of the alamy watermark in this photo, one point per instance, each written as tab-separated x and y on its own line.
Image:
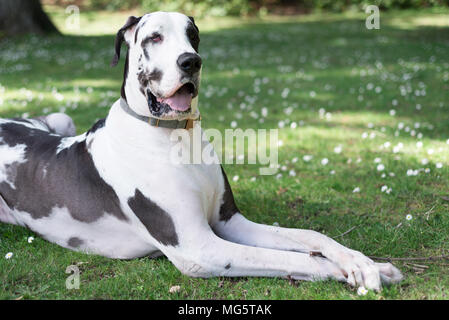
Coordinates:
373	20
236	146
72	281
72	21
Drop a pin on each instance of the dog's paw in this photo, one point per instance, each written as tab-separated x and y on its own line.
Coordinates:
389	274
358	269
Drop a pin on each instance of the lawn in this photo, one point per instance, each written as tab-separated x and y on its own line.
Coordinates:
374	103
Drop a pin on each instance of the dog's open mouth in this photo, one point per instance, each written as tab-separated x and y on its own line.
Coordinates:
181	100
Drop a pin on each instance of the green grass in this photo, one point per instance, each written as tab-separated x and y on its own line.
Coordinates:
328	62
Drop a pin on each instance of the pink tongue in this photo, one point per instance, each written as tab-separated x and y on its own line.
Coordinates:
180	101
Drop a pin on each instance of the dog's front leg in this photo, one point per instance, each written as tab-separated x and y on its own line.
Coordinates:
359	269
207	255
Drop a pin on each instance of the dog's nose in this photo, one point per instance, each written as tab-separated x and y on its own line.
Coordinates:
190	63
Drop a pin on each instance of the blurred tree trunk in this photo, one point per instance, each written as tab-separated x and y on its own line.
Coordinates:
24	16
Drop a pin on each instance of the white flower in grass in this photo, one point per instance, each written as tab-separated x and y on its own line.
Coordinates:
338	149
392	112
380	167
361	291
252	179
332	172
307	157
419	144
233	124
279	175
377	160
439	165
447	141
424	161
9	255
408	217
292	173
426	170
364	135
174	289
30	239
295	159
356	190
235	178
384	188
324	161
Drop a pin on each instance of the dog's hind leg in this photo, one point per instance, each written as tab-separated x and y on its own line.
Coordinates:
5	213
59	123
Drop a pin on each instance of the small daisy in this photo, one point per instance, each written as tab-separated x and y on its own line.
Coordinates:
292	173
9	255
174	289
252	179
30	239
439	165
235	178
338	149
307	158
356	190
408	217
324	161
380	167
361	291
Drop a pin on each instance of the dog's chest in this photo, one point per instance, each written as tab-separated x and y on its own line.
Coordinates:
147	168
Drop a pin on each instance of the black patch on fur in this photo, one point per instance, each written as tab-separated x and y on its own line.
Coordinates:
75	242
193	34
228	207
125	75
120	37
48	180
228	266
98	125
144	78
158	222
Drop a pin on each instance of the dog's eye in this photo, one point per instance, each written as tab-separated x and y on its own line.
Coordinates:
156	38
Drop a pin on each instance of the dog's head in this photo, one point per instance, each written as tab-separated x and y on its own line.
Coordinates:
162	68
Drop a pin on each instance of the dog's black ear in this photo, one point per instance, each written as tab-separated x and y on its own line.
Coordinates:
132	21
194	24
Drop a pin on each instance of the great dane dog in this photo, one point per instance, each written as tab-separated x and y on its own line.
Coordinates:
114	191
